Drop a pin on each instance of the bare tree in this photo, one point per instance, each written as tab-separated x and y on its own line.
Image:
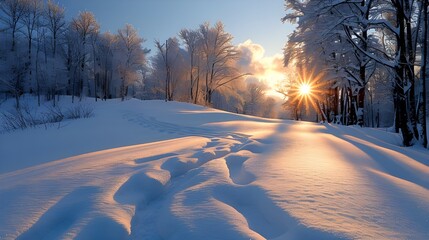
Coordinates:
13	78
132	57
13	11
106	47
192	39
54	16
219	55
31	22
169	54
85	25
56	26
254	98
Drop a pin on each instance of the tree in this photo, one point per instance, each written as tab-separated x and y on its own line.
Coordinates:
13	78
131	57
424	71
169	54
72	57
390	25
192	39
254	99
13	11
218	54
31	22
54	17
56	26
319	45
106	47
85	26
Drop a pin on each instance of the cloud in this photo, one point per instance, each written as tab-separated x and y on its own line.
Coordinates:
265	69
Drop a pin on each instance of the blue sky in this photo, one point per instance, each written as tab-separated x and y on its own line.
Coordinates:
258	20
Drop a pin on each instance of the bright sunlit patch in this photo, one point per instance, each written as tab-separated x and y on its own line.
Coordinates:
307	89
304	89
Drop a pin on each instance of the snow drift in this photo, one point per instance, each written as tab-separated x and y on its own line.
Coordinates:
156	170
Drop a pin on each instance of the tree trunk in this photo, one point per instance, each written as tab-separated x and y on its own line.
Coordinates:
13	39
424	72
410	71
197	87
401	82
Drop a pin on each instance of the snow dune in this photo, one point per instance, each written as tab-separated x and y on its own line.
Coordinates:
156	170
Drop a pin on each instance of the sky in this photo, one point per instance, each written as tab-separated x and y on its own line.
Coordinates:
255	25
258	20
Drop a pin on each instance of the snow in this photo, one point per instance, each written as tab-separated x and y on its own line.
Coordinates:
157	170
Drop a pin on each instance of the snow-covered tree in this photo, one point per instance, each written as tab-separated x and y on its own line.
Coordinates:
85	26
169	62
254	98
352	40
130	57
218	56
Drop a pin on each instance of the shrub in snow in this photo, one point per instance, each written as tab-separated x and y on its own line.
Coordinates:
80	111
19	118
23	117
53	115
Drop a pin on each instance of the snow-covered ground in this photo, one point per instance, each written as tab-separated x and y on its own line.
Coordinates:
156	170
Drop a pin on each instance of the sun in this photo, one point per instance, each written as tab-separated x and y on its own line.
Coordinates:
304	89
307	90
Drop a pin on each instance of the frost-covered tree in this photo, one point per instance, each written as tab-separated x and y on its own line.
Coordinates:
355	39
192	40
218	56
31	21
55	23
85	26
254	99
130	57
106	50
169	62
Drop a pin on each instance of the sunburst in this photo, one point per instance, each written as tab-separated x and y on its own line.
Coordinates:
304	89
308	89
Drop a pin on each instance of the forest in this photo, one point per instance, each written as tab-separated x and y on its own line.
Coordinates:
364	61
368	58
44	54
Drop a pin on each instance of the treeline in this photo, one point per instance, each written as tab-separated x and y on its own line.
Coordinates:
44	54
373	56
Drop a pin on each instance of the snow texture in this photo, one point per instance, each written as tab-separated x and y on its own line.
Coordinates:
157	170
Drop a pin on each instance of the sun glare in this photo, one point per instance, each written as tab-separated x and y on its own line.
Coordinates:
304	89
307	90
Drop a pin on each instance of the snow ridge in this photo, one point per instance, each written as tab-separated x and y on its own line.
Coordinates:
205	174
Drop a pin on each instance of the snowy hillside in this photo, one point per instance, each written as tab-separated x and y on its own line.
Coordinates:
157	170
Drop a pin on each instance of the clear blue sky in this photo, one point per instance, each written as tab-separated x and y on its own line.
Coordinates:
258	20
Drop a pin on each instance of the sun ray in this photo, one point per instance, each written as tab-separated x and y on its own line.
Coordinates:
307	90
304	89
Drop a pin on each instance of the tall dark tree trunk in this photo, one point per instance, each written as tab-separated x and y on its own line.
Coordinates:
424	71
410	69
401	82
13	39
197	87
363	66
192	76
